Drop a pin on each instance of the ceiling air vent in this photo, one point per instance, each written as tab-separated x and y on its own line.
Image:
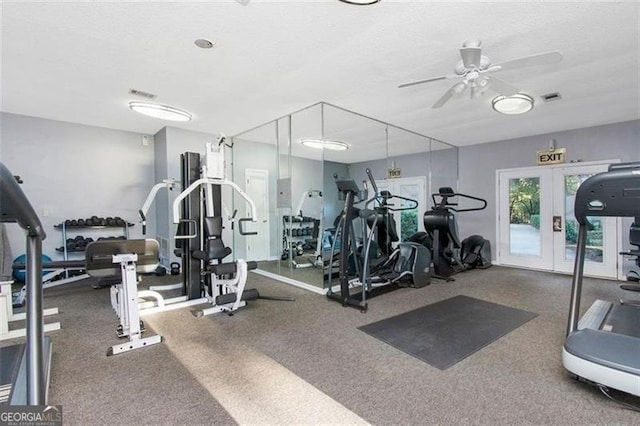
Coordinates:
551	97
142	94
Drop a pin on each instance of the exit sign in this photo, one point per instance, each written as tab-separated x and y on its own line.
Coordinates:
393	173
552	156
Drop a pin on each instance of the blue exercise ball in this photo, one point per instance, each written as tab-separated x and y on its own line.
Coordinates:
20	274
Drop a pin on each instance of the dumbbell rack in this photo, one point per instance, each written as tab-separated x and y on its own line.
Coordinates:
294	234
73	229
300	231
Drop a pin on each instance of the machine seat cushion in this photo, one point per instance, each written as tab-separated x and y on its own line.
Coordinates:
223	268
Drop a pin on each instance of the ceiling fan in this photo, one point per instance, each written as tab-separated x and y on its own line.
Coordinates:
476	72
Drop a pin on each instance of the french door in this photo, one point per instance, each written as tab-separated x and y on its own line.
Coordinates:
409	221
536	223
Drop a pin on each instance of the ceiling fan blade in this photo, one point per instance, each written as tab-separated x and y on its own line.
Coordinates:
456	89
527	61
501	86
471	56
427	80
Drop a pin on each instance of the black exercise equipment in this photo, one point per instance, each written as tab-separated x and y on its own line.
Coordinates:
451	256
409	260
634	240
15	207
602	347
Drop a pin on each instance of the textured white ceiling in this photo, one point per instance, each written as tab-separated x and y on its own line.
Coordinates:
76	61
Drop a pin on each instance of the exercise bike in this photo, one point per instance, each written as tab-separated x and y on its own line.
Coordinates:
450	255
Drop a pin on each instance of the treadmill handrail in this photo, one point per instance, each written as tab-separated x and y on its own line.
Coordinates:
15	207
609	193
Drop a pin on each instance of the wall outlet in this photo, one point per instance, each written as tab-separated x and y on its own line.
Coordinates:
45	212
145	140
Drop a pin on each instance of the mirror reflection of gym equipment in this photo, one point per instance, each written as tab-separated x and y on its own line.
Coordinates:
282	148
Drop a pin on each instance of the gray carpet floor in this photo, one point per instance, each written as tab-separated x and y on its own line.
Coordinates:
305	362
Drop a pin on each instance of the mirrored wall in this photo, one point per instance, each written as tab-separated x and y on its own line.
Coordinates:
289	168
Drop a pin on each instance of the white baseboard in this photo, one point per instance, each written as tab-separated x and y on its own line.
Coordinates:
291	281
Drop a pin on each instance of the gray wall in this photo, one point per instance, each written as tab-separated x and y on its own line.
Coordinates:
73	171
478	165
441	166
171	142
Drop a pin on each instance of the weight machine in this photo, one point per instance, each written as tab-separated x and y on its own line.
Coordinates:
198	212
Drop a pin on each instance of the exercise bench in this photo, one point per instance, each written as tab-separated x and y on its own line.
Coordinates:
127	258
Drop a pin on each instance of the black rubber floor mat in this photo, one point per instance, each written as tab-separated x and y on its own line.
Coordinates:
446	332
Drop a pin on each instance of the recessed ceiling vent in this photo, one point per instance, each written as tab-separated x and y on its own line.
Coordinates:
142	94
555	96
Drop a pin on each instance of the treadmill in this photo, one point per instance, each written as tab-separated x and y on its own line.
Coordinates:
604	346
25	368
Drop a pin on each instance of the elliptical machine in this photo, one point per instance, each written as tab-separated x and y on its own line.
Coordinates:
406	266
634	240
450	256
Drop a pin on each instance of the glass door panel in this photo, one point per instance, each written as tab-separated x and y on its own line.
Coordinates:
524	236
601	253
524	216
537	226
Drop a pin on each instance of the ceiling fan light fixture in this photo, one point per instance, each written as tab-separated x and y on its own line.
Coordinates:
512	105
163	112
360	2
325	144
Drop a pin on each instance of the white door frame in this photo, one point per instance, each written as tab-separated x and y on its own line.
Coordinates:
534	171
262	216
